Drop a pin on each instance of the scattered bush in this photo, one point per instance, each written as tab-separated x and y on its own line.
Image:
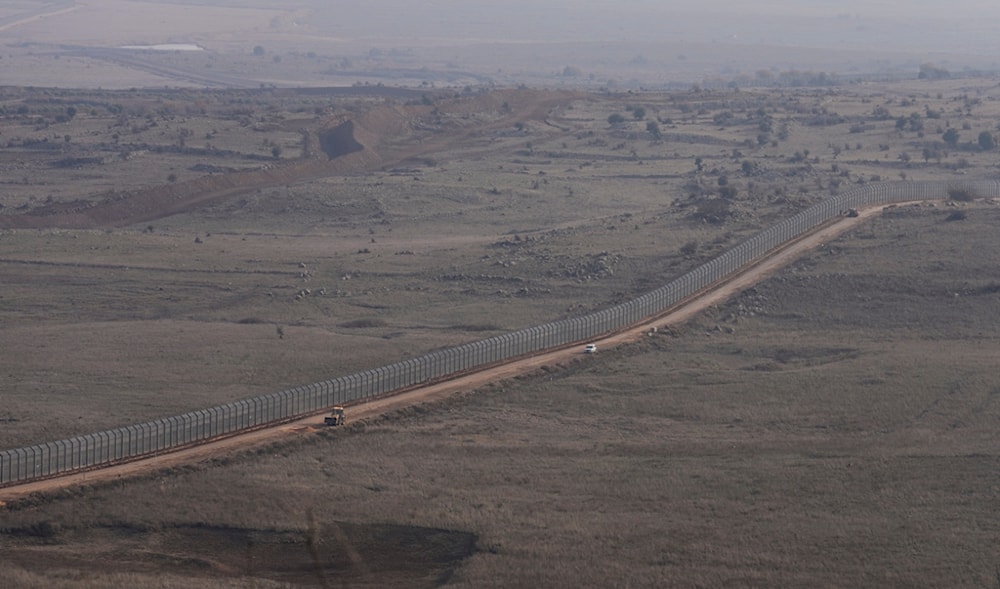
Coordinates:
962	194
713	210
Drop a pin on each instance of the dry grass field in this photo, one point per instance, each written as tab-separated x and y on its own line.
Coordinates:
831	426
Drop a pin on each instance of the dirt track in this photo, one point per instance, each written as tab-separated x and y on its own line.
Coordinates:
715	295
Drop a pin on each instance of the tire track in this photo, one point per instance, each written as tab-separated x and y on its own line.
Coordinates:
40	14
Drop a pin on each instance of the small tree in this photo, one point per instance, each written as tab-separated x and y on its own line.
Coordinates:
929	71
950	137
258	50
654	129
986	141
616	119
639	113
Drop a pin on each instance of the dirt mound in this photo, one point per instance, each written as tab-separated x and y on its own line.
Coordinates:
338	552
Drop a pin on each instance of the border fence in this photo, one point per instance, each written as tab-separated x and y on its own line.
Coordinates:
130	442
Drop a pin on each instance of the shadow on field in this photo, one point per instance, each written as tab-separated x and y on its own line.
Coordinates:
326	555
339	140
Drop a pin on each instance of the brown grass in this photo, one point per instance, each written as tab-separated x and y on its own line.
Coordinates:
863	455
507	227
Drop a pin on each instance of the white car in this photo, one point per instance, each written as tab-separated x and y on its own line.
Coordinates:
590	349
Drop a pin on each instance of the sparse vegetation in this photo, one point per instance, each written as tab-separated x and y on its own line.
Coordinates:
741	443
986	141
951	137
502	209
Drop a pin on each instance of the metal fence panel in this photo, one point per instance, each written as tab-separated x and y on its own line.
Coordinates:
48	461
6	465
92	450
103	450
20	465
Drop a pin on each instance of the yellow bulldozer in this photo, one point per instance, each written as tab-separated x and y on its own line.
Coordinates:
336	417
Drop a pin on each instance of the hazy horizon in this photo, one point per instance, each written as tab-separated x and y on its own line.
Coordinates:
634	40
